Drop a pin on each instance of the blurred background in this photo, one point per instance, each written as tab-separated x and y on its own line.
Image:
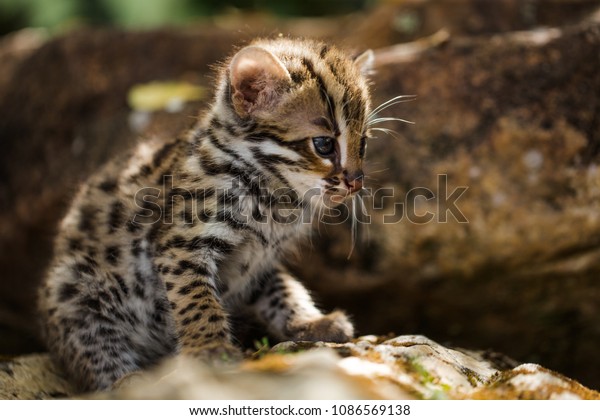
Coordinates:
59	15
508	106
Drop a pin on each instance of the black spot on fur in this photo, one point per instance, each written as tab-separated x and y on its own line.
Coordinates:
205	215
87	219
66	292
121	283
91	261
210	242
274	302
92	303
112	254
75	244
145	170
297	77
91	251
138	289
81	268
323	51
132	226
116	216
104	296
215	318
162	153
185	265
108	185
188	308
140	283
136	247
201	295
176	241
116	295
187	289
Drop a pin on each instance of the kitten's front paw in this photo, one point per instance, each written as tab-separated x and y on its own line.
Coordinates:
334	327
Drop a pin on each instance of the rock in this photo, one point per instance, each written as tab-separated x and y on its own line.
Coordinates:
405	367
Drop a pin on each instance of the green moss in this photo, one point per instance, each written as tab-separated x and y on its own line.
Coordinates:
262	347
439	391
424	376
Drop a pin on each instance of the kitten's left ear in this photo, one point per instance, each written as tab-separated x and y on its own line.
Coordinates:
365	62
257	80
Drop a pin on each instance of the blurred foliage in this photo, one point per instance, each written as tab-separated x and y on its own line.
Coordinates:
163	95
59	14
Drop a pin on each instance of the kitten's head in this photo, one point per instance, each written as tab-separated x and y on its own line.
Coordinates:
305	105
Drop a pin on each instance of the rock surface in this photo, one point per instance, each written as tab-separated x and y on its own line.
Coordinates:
406	367
505	109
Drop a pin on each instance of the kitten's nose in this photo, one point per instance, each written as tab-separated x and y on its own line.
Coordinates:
353	180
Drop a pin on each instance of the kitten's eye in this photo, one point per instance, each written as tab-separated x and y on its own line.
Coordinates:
363	147
324	146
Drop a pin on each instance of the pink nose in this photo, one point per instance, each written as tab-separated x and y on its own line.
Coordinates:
353	180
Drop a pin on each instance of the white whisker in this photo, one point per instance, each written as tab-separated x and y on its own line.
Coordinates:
386	119
387	131
320	213
391	102
364	212
353	226
377	172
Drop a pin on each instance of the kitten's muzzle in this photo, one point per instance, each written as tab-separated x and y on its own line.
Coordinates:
353	180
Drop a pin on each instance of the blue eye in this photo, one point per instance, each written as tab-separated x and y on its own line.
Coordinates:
363	147
324	146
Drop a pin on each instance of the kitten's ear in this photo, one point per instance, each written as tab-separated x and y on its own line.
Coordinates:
257	79
365	62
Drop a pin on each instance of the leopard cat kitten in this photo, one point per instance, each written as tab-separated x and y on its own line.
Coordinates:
149	261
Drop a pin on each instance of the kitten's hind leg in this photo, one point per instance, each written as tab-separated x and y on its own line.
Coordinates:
100	330
283	304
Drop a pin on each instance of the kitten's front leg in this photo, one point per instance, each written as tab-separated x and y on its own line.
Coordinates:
201	322
283	304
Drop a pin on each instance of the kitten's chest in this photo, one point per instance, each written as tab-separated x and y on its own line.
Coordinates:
249	262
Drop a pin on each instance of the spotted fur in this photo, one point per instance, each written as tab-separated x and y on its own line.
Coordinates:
151	258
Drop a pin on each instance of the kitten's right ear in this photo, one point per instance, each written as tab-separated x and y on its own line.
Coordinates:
257	79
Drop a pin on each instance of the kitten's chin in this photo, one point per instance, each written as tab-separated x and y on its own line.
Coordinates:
338	198
334	199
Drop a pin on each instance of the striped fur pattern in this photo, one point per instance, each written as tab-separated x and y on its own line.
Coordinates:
153	257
